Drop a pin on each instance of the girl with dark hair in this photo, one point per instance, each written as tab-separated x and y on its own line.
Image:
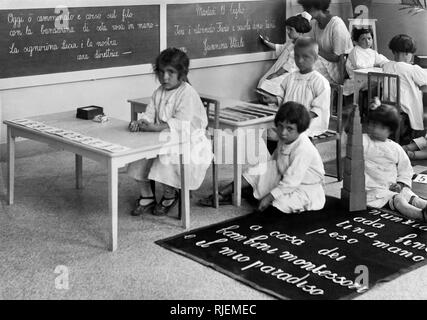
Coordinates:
292	180
388	171
177	107
413	80
362	56
332	36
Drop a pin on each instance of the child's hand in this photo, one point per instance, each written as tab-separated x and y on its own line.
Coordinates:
133	126
147	127
265	202
395	187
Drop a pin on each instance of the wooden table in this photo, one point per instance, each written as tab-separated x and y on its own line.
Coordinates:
142	145
238	129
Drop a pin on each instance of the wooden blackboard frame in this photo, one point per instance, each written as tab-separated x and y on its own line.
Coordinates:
134	70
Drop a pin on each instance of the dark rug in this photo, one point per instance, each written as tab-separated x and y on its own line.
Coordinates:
329	254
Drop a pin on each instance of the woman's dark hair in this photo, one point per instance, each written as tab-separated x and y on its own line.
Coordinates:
386	115
402	43
294	113
358	32
315	4
175	58
301	24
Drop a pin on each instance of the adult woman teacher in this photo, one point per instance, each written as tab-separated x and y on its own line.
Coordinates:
332	36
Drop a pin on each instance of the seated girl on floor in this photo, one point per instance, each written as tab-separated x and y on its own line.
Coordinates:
388	171
292	179
362	56
269	84
176	106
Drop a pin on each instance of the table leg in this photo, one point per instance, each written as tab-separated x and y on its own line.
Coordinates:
237	154
113	172
185	193
10	165
133	113
79	170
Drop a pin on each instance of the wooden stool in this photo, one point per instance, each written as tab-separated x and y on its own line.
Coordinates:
364	23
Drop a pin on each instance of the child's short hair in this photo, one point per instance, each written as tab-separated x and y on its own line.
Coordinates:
315	4
306	42
175	58
358	32
294	113
402	43
386	115
301	24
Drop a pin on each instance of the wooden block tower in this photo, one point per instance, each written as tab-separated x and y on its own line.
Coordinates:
353	192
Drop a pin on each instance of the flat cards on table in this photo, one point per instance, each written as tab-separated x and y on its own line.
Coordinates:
70	135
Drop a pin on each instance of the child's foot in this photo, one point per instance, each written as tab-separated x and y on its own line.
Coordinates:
143	205
168	201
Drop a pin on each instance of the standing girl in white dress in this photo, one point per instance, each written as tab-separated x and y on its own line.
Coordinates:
296	27
292	179
388	171
177	107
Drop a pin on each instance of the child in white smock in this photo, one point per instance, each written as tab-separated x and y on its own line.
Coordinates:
413	80
388	171
292	179
362	56
177	107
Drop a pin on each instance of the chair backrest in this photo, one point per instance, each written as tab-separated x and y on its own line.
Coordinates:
212	109
342	69
385	86
337	105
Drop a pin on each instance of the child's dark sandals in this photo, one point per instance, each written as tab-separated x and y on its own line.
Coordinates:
142	209
162	208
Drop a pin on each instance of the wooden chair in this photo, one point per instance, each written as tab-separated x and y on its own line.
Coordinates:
334	135
385	86
342	69
212	111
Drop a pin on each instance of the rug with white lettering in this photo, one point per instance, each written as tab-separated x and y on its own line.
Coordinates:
330	254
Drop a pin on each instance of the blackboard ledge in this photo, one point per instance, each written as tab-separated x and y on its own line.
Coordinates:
74	76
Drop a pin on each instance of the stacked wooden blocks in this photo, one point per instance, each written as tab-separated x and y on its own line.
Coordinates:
353	192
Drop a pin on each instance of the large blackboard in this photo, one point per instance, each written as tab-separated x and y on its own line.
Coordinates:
49	40
214	29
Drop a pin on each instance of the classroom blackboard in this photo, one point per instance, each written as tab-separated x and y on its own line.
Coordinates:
53	40
215	29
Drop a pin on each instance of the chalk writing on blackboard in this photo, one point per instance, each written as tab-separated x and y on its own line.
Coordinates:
40	41
223	28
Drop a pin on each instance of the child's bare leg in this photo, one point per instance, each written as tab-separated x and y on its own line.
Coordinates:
146	192
418	202
401	204
418	155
